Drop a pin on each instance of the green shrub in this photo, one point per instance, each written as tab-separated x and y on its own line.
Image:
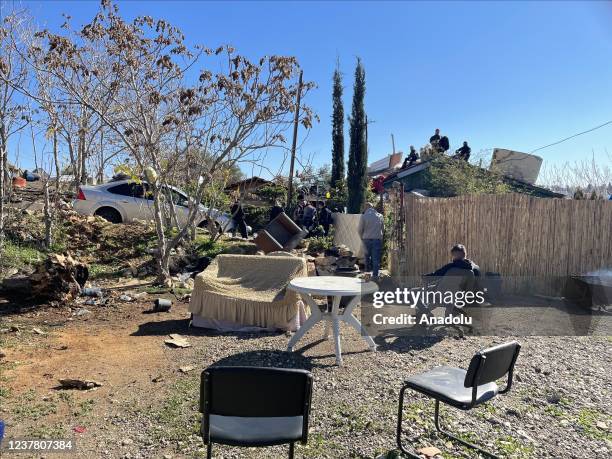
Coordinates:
449	177
257	217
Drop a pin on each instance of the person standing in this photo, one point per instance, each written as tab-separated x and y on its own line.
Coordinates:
308	217
434	139
371	229
276	210
298	213
238	217
325	217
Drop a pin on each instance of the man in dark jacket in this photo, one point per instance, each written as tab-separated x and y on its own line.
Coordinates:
434	139
463	152
459	260
276	210
411	158
325	217
238	217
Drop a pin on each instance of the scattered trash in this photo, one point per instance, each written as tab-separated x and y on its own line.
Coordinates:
429	451
92	291
80	384
38	331
177	340
162	305
138	296
126	298
186	369
79	429
91	302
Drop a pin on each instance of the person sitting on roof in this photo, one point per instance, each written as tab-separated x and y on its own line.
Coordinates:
459	260
463	152
411	158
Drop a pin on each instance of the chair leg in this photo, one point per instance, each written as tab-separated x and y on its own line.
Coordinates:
400	415
209	450
453	437
291	450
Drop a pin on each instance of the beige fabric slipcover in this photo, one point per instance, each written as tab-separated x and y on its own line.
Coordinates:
248	290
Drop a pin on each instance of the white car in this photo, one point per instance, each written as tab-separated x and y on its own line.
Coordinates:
123	201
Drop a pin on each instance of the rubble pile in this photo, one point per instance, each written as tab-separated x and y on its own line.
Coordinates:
338	260
59	277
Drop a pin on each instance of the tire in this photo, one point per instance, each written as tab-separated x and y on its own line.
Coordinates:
109	214
204	225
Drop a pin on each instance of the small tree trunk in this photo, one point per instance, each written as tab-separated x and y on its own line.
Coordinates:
47	216
163	255
3	177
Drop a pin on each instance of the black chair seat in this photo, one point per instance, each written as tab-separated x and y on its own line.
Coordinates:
259	431
447	385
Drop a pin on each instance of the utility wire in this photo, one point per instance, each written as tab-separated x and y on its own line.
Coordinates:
572	136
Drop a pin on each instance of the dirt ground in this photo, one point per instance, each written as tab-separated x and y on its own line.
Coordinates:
146	407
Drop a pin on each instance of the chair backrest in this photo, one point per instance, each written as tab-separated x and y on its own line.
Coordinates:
492	364
255	392
456	279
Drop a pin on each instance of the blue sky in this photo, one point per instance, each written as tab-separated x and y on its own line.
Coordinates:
515	75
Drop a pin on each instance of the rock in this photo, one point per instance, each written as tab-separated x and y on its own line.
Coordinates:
554	398
602	425
186	369
2	354
127	441
38	331
177	340
429	451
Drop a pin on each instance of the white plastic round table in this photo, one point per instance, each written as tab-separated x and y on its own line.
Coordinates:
336	287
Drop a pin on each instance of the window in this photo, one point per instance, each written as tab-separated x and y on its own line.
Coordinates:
135	190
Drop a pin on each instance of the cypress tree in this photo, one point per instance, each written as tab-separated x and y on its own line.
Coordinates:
337	172
358	149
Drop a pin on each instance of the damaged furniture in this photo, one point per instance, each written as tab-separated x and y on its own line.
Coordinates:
281	234
462	389
248	293
255	407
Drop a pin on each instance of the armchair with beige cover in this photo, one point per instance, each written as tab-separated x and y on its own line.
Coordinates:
247	293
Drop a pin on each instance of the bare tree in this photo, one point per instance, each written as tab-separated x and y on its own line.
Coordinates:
13	111
160	115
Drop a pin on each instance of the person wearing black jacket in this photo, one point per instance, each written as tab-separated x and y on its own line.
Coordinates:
463	152
411	158
238	217
325	217
434	139
276	210
459	260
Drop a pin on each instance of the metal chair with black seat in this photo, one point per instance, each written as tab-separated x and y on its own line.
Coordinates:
251	406
463	389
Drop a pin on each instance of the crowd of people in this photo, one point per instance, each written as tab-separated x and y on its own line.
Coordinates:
439	144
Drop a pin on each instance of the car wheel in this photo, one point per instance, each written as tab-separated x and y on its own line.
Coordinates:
109	214
204	225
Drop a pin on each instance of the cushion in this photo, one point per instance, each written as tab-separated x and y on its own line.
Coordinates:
255	431
446	384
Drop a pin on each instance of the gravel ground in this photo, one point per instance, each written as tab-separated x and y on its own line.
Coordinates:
559	405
